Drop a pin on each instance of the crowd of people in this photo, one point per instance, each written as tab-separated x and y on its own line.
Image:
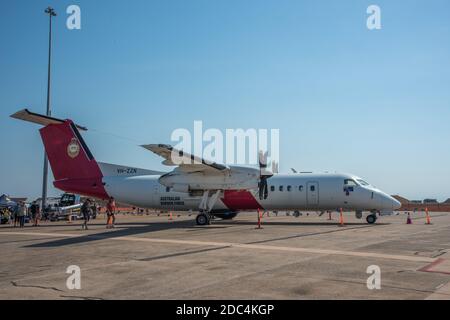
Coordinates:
18	215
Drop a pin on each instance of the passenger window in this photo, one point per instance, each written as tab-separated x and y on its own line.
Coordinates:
289	188
272	188
167	189
281	189
300	188
312	188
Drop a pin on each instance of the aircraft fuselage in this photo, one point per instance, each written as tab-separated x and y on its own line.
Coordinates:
286	192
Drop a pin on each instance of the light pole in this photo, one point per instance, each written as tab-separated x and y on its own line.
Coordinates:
51	13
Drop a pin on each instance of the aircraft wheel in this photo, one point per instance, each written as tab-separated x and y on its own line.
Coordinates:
203	219
359	214
371	219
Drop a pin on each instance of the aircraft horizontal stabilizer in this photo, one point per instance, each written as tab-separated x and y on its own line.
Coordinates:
41	119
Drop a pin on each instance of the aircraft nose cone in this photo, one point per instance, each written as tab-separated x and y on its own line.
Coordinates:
395	204
392	203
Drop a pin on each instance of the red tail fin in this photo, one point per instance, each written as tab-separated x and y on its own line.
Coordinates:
73	166
67	152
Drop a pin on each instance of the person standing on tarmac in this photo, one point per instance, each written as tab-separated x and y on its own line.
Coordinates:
21	213
86	212
14	216
110	210
34	210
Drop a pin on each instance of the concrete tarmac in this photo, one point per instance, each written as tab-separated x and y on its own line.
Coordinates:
152	257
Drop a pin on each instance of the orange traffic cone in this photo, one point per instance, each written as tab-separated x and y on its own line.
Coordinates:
170	216
428	216
341	218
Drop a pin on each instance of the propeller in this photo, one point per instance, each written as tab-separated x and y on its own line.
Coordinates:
264	174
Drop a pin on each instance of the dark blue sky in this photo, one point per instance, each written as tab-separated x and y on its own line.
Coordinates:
372	103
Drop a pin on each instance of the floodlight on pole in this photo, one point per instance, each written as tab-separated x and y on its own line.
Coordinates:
51	13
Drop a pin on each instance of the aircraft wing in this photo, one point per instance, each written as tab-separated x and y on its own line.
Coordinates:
185	161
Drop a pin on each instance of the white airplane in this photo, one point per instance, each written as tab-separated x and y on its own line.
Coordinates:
212	189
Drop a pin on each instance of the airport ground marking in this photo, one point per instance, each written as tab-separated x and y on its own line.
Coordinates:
442	292
238	245
432	267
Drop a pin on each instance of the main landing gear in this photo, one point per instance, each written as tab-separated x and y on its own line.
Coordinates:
203	219
205	207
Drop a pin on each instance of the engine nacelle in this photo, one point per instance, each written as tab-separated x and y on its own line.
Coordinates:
179	187
236	177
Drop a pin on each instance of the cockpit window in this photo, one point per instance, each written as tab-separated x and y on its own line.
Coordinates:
350	182
362	182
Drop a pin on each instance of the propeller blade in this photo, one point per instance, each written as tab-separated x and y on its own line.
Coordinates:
266	190
264	174
263	188
262	157
260	191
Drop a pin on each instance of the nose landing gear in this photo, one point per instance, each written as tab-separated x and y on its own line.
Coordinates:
358	214
371	218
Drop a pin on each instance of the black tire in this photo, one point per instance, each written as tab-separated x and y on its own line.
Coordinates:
202	219
371	219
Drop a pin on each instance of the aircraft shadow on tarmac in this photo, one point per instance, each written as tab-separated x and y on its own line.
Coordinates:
288	223
136	228
119	231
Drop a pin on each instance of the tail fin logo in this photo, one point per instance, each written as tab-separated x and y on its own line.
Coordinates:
73	149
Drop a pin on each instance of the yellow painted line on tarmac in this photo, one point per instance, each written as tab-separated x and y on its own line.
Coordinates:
238	245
